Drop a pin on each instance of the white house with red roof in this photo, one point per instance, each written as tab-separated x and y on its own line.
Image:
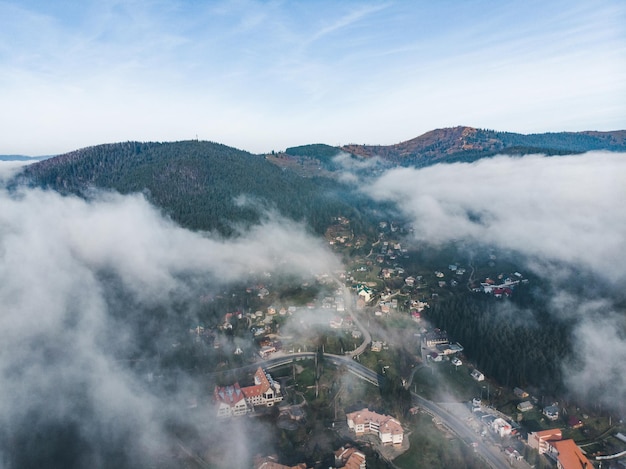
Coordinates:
265	391
388	429
230	401
234	401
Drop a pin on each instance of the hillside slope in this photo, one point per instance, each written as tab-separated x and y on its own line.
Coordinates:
197	183
469	144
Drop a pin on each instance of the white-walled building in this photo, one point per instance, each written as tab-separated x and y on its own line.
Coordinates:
234	401
230	401
388	429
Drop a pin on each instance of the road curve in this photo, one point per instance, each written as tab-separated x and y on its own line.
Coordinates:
490	454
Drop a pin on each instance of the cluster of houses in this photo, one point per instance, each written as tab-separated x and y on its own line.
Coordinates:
437	346
347	457
503	287
234	400
565	453
456	271
388	430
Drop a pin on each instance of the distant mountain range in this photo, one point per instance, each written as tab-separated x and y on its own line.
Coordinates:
469	144
22	158
209	186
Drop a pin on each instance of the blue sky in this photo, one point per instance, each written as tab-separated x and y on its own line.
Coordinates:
263	76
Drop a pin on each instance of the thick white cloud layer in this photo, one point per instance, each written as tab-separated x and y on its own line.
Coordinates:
567	208
562	215
58	341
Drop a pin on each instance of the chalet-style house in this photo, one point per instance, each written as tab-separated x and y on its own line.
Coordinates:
234	400
436	337
388	429
551	412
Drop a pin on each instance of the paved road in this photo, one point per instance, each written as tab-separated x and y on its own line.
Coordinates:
491	454
488	452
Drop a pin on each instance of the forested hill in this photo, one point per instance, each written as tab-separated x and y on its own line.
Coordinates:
197	183
469	144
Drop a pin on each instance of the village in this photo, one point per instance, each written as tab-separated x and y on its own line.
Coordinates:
353	312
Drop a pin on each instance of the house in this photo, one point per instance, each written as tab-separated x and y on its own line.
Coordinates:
434	356
574	422
234	400
267	350
436	337
388	429
499	292
524	406
551	412
512	453
350	458
377	346
356	461
265	391
520	393
541	441
570	456
364	292
501	427
230	401
477	375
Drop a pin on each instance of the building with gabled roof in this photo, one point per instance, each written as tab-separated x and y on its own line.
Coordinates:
570	456
551	412
265	391
230	401
541	441
388	429
234	400
350	458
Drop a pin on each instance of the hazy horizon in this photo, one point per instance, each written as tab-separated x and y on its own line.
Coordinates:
263	76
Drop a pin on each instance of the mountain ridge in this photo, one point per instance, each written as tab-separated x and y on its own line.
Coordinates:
202	185
210	186
453	143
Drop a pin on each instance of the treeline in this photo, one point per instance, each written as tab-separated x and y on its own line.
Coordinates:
565	141
318	151
201	185
517	343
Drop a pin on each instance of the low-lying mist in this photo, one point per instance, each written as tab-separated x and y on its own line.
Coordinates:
562	217
77	280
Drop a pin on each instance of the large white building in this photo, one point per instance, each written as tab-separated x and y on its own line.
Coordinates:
388	429
234	401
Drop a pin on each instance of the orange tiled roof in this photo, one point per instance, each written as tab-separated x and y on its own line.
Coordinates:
228	394
355	460
549	435
571	456
261	385
385	422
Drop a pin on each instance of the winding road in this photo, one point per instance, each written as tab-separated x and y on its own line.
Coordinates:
489	453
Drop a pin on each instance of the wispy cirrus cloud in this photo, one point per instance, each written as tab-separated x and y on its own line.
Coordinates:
236	72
